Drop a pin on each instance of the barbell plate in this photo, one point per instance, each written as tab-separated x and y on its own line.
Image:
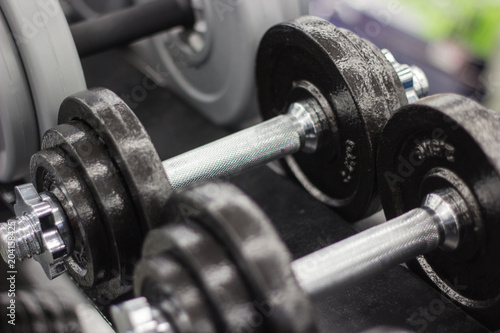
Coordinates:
18	127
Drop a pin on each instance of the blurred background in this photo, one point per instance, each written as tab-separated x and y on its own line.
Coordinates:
456	42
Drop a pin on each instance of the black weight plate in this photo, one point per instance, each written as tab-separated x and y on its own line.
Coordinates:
89	157
313	50
260	255
170	287
51	170
210	266
385	81
130	147
450	141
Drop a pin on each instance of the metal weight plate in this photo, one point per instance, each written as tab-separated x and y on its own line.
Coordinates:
212	66
48	53
384	79
129	146
207	261
89	156
170	287
262	258
450	141
18	127
358	93
52	170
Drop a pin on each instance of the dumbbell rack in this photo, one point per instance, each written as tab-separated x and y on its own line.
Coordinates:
397	298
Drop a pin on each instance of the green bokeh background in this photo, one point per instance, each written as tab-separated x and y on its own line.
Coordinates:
474	23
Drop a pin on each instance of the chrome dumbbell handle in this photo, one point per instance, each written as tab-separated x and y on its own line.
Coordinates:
284	135
271	140
378	249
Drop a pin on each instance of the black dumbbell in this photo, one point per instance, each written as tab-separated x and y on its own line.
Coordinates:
103	186
221	261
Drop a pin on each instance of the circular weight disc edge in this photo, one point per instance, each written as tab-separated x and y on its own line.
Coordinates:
48	53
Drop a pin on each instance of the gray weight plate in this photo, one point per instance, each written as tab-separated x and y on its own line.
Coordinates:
450	141
18	127
129	146
48	53
252	243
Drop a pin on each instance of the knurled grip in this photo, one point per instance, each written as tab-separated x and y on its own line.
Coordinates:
252	147
369	253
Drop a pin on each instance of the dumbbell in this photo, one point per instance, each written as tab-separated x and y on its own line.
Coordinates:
41	65
102	185
220	264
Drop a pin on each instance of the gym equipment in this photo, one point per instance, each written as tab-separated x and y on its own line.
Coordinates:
449	141
338	91
219	266
448	208
42	58
103	186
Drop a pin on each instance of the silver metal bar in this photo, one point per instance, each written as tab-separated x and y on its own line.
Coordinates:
249	148
369	253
